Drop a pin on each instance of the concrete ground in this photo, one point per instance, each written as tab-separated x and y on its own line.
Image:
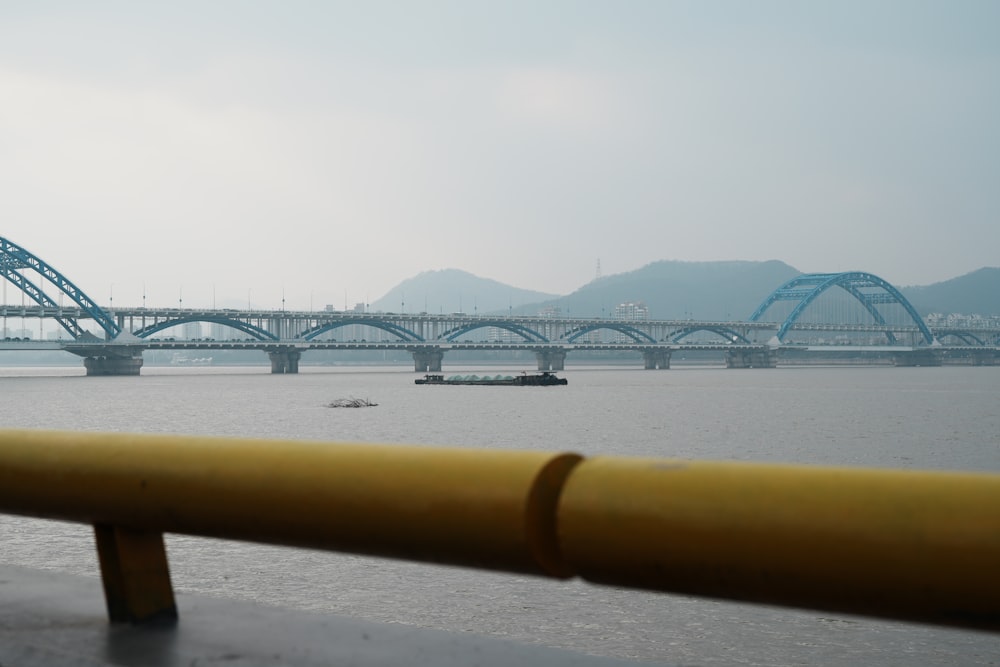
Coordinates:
50	619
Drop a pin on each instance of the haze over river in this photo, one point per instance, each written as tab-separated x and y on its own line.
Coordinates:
937	418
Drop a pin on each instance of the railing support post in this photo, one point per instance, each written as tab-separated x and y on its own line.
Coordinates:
136	575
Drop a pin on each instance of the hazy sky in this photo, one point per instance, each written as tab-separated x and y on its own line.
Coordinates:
237	151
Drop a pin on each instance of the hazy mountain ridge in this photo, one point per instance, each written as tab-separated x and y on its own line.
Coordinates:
722	290
673	290
453	291
974	293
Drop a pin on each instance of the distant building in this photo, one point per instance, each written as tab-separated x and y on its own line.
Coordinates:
961	320
191	330
501	335
551	312
222	332
631	311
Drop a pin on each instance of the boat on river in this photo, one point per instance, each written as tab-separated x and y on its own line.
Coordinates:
543	379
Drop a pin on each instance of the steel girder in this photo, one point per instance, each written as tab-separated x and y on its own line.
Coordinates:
966	337
809	286
970	337
405	334
41	298
630	331
529	335
14	257
245	327
725	332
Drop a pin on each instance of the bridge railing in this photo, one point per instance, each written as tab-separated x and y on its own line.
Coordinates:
911	545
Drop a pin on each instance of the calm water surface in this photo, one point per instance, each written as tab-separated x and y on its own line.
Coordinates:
938	418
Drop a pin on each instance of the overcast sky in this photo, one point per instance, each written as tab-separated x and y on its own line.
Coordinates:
234	152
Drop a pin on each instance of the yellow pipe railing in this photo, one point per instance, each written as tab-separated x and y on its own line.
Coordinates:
919	546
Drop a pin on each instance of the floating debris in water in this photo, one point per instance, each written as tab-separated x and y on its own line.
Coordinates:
352	403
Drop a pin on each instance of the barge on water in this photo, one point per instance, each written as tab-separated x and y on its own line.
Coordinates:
543	379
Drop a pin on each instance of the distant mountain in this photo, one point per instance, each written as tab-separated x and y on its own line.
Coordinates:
729	290
976	293
453	291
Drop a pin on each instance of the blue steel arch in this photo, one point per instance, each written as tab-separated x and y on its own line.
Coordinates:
630	331
728	334
807	287
13	257
245	327
404	334
42	299
530	335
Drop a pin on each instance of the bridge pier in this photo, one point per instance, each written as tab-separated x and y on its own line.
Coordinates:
113	365
916	358
551	360
427	361
984	358
656	359
765	358
285	361
121	359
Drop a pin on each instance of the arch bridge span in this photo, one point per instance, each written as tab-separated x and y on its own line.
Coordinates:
814	302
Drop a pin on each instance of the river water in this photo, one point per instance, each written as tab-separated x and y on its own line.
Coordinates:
934	418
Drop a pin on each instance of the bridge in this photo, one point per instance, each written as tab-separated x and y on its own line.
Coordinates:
830	313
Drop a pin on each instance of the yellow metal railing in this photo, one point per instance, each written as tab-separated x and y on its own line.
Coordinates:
921	546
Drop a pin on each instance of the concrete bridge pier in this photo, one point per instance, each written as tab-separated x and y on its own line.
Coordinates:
109	359
656	359
285	361
984	358
916	358
113	364
427	361
766	358
551	360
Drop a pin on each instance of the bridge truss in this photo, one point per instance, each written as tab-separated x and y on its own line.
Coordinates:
18	265
852	306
